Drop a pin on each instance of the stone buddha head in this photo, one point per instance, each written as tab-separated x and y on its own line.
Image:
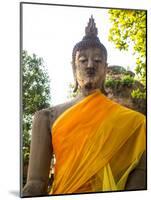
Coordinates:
89	61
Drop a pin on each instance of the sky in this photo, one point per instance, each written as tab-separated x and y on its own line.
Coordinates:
51	33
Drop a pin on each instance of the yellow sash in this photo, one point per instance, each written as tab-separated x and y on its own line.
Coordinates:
97	143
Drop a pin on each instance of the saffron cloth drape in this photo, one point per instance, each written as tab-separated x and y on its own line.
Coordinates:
97	143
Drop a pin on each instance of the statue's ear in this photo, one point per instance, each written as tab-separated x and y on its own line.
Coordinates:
75	77
75	86
103	83
106	66
73	69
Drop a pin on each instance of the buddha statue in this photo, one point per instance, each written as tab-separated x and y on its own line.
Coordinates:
98	144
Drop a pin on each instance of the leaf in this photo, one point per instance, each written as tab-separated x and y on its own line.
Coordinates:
129	27
36	93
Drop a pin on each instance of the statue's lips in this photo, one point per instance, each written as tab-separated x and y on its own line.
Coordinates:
90	73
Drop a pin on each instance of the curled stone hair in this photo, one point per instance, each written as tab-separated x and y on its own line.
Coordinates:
89	40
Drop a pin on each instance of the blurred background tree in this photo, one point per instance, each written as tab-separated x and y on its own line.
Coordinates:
35	96
128	31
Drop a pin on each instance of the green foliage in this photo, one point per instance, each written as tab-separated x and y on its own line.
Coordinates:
111	83
137	94
35	94
129	31
126	80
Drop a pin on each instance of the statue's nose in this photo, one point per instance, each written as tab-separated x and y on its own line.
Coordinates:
90	63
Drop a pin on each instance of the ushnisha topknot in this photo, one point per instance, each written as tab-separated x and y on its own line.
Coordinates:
91	30
89	40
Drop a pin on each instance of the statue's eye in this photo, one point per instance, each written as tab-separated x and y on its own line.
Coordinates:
83	60
97	60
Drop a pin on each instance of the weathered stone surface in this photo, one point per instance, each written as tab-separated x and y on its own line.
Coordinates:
121	92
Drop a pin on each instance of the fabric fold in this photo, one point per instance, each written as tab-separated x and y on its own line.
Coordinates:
88	140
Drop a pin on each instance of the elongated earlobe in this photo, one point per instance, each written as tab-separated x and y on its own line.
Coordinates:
103	83
103	89
75	86
74	74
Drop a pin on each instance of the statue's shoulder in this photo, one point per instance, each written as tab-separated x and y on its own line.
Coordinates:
52	113
57	110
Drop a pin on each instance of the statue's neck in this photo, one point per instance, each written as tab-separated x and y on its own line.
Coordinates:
84	93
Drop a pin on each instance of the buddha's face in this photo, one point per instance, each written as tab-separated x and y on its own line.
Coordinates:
90	68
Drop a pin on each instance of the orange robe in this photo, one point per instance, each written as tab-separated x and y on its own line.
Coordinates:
97	143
